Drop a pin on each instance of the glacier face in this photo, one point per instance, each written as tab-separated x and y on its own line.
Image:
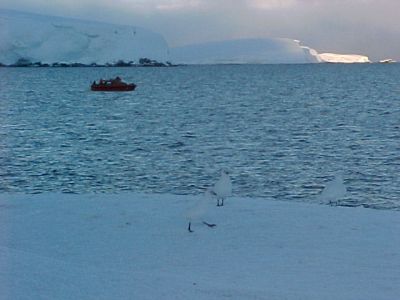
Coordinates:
53	39
343	58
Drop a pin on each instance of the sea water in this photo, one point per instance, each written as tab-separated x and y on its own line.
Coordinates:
282	131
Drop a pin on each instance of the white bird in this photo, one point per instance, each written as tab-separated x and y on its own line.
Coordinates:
198	210
334	190
222	188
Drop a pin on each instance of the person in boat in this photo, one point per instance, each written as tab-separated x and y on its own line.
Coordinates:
117	81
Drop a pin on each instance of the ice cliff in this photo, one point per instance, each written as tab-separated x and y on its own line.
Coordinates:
343	58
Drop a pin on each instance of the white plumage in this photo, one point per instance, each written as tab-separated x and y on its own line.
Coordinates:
222	188
195	213
199	208
334	190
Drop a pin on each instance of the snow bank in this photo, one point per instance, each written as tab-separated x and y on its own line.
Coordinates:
52	39
343	58
132	246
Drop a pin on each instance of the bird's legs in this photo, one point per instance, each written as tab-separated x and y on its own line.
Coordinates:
222	201
209	224
189	229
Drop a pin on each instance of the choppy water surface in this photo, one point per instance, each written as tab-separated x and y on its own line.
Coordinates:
282	130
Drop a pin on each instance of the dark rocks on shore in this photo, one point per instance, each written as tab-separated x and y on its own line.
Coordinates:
143	62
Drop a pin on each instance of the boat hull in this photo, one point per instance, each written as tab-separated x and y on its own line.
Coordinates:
112	88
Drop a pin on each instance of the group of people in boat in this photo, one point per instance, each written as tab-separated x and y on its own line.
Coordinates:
117	81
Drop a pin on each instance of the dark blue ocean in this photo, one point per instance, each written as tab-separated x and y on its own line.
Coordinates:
283	131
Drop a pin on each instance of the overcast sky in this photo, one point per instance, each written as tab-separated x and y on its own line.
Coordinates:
367	27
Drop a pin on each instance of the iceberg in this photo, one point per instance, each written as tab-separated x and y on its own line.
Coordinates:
387	61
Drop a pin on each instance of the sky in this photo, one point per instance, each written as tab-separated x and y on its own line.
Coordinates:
367	27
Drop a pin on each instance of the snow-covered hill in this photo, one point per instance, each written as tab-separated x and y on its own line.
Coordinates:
49	39
258	51
52	39
266	51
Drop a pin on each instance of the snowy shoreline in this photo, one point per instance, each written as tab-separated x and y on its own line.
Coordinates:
136	246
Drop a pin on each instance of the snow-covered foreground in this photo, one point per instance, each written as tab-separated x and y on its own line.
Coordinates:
133	246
